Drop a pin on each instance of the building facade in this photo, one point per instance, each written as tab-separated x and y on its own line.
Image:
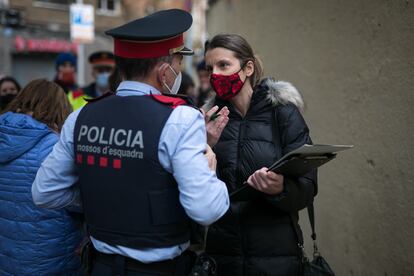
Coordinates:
32	33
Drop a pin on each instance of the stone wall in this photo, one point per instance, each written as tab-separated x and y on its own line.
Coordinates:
353	62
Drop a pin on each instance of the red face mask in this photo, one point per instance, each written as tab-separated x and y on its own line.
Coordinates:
67	78
228	86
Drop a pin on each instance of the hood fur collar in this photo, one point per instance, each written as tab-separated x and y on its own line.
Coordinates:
282	92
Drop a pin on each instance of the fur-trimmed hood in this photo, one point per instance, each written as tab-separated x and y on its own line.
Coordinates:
279	92
283	92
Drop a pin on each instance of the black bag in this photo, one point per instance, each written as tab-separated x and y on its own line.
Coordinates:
318	266
204	266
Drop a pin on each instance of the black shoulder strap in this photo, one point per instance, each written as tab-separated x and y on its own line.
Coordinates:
277	132
311	215
311	212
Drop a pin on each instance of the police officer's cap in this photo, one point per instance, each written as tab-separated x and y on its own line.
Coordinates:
156	35
102	58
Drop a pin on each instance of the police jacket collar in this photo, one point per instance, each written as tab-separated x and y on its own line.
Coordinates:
130	88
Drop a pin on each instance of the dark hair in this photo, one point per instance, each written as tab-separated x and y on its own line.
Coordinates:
44	100
133	69
242	51
186	82
114	80
10	79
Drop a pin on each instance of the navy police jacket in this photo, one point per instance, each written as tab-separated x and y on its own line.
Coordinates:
128	198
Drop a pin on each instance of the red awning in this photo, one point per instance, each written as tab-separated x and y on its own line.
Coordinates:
22	44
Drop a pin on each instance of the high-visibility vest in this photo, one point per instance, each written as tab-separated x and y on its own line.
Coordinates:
77	98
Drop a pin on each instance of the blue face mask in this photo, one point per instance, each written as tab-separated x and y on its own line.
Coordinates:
102	80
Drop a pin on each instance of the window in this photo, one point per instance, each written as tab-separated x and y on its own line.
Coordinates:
53	4
109	7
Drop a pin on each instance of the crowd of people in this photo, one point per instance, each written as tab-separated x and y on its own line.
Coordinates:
105	79
120	176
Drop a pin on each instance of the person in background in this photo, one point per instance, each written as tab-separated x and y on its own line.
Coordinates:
66	77
66	65
187	88
33	241
8	91
103	64
257	236
138	158
205	93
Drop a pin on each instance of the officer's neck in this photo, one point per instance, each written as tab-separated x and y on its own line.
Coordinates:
150	80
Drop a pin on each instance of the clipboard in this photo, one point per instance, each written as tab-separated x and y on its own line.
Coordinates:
294	164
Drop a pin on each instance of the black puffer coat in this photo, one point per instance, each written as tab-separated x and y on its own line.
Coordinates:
257	237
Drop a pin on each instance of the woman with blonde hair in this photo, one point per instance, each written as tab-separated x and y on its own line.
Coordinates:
33	241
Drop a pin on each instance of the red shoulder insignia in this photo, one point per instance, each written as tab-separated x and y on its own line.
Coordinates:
172	101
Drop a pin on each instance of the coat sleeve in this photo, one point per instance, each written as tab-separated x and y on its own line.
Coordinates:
298	192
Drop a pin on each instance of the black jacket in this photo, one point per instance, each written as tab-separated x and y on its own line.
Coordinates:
90	90
257	237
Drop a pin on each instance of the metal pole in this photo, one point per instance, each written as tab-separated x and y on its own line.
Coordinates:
81	64
6	33
81	59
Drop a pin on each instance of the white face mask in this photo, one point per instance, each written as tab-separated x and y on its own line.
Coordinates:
177	82
102	80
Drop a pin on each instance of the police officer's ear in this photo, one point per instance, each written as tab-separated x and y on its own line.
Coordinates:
161	72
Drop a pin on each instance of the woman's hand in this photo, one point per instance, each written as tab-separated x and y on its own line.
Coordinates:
211	158
215	124
266	181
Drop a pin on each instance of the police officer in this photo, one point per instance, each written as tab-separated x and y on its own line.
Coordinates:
66	71
103	64
138	157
